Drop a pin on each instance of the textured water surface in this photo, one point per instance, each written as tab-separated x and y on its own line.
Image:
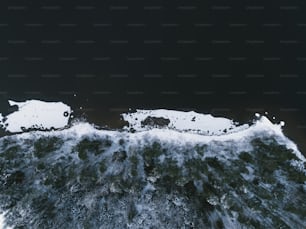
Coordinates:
82	177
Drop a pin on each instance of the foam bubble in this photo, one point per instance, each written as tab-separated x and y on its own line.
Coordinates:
282	123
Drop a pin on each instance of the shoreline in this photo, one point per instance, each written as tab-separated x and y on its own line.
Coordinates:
111	119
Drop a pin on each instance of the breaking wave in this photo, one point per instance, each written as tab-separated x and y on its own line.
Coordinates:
152	177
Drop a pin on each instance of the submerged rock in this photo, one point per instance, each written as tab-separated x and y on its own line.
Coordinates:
155	121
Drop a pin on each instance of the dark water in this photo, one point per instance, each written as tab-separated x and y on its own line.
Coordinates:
246	57
225	58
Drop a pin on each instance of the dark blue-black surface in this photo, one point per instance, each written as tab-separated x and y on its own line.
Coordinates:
223	57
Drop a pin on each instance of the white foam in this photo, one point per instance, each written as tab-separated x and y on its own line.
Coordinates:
1	221
1	118
36	114
184	127
207	128
238	141
180	132
282	123
2	224
184	121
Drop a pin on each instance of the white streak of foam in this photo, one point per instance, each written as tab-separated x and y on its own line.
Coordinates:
2	224
240	140
1	118
239	137
36	114
1	221
184	127
184	121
